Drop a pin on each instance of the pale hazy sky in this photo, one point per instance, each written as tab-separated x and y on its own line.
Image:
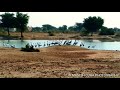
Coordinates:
111	19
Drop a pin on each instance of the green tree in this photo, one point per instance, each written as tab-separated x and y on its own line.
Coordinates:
47	28
63	28
92	24
84	32
7	21
36	29
106	31
78	26
21	22
71	28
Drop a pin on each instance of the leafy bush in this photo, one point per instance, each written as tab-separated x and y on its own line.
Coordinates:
29	48
51	33
106	32
84	32
2	32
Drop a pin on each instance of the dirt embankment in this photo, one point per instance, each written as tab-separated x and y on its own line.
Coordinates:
58	36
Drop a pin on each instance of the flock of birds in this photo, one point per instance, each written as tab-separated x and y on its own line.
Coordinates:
53	43
8	45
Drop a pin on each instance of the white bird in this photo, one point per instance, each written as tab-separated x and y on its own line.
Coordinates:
12	46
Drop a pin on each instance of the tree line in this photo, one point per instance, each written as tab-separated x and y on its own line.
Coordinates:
9	20
90	25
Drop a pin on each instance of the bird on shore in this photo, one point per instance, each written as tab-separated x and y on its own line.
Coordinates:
75	43
88	46
44	44
12	46
80	45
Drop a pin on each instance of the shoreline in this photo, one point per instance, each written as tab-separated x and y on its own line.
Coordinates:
59	61
58	36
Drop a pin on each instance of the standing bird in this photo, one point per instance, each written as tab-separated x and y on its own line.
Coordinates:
47	43
12	46
44	44
88	46
80	45
75	43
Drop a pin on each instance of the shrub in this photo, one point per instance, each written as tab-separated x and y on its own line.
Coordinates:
2	32
51	33
84	32
29	48
106	32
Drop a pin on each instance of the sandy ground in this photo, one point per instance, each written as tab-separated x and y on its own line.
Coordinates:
59	62
42	36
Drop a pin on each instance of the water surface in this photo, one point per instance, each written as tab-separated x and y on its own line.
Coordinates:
90	44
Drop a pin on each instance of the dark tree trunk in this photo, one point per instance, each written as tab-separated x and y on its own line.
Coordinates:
8	31
91	33
21	34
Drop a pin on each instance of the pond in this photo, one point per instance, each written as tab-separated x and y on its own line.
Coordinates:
90	44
